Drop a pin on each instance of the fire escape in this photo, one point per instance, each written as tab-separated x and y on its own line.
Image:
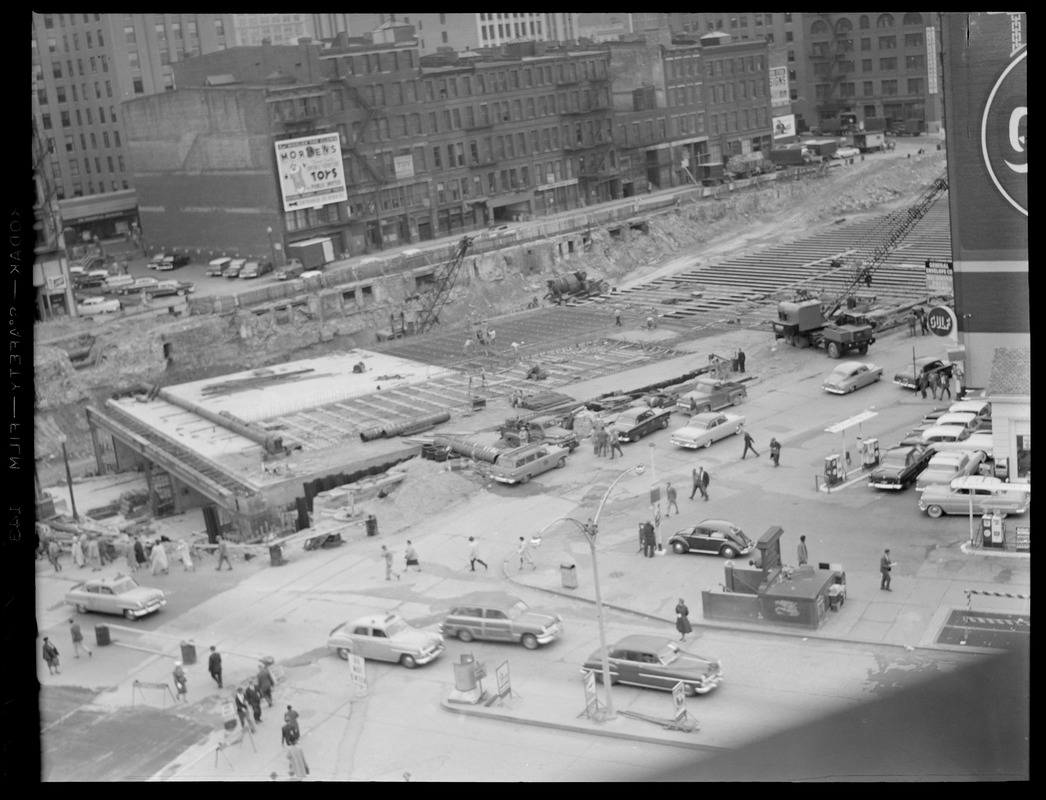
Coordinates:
596	162
377	172
828	59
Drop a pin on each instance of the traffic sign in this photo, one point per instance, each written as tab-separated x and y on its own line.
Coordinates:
358	671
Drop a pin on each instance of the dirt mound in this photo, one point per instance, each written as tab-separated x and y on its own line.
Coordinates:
427	489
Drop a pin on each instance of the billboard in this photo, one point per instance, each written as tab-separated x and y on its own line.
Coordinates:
784	127
779	87
311	171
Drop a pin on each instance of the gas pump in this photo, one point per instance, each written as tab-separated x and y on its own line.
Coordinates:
831	469
870	453
986	530
998	532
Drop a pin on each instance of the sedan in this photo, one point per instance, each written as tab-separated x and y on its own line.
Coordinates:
984	493
165	288
704	429
654	662
851	376
634	423
98	305
908	377
385	638
946	467
119	595
715	536
500	617
900	466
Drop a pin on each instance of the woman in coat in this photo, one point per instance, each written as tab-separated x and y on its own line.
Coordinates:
682	620
78	552
160	563
139	552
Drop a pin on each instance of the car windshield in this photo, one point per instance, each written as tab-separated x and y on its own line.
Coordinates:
124	585
516	609
669	653
839	374
395	627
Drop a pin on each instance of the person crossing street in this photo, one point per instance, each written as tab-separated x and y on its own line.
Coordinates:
749	445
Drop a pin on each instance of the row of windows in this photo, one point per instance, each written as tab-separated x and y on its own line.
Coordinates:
684	95
915	86
510	30
728	66
820	27
49	19
730	92
78	188
74	165
47	124
867	65
61	96
742	21
89	38
821	49
70	143
735	121
191	28
93	64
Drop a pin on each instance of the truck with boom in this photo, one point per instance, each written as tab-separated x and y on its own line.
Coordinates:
802	323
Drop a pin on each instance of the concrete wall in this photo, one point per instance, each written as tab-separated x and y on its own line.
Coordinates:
633	66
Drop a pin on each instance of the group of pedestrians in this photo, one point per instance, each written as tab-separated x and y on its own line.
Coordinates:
605	441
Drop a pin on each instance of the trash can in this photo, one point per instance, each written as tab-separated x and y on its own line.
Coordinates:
188	653
465	674
101	635
276	555
372	525
569	575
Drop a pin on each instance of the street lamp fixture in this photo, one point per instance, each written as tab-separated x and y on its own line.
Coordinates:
272	247
590	529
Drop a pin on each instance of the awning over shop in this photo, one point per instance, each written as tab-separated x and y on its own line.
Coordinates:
98	206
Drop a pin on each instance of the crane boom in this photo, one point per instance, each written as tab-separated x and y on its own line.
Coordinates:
444	279
897	225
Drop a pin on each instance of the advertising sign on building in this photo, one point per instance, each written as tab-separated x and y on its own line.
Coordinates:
939	278
404	167
311	171
931	60
779	87
941	321
784	127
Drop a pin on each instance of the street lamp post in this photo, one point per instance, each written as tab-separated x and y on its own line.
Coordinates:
69	480
272	247
590	529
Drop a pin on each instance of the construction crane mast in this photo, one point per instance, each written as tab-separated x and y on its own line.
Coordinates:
444	278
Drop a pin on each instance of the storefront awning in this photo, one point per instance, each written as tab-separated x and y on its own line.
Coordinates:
98	206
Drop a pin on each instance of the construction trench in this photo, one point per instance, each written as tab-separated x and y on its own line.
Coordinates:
350	431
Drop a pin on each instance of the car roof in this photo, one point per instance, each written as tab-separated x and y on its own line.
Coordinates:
706	415
641	641
848	365
972	406
107	581
716	523
486	599
373	620
949	457
937	430
956	417
982	482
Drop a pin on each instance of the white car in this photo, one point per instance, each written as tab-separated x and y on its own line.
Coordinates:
946	467
704	429
846	152
386	637
98	305
981	492
851	376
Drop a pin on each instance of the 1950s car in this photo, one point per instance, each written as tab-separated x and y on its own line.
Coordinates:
500	617
900	466
119	595
714	536
654	662
851	376
633	424
704	429
385	638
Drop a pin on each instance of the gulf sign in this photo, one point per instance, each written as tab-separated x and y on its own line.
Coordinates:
311	171
1004	133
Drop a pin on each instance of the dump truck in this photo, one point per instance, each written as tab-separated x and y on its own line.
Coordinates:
802	323
747	165
870	141
575	284
822	147
710	174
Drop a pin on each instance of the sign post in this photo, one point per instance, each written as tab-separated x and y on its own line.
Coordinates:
358	673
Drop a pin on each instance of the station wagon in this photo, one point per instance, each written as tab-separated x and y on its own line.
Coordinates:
523	463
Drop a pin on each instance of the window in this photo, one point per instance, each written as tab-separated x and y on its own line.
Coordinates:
887	63
889	87
132	59
819	28
915	86
885	21
116	141
139	88
46	121
913	40
105	138
887	42
866	65
868	89
915	62
57	70
913	18
219	26
791	56
69	143
66	121
788	36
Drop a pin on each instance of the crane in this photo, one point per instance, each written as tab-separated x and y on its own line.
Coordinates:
444	278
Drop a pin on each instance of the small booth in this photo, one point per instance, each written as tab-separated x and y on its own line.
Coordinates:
768	591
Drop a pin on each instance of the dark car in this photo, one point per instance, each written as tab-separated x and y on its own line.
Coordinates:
714	536
900	466
500	617
655	662
633	424
908	377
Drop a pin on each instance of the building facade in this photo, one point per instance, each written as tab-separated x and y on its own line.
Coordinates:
253	29
472	31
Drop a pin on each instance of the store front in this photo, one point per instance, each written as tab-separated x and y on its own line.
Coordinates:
555	198
100	216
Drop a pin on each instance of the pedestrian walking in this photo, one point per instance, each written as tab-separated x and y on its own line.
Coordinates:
911	320
185	556
693	406
132	559
468	345
265	683
78	552
243	710
139	552
474	554
523	551
615	444
223	553
924	321
740	360
254	700
290	717
683	620
491	334
670	493
515	350
410	555
160	563
387	555
299	768
885	566
289	734
648	540
775	452
749	445
804	556
181	682
214	665
699	478
617	316
920	384
946	385
54	553
50	653
78	639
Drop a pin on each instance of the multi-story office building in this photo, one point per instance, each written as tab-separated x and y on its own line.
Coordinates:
252	29
737	100
84	66
471	31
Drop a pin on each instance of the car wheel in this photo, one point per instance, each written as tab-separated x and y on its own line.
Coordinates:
529	641
664	423
465	635
561	463
935	511
853	389
735	400
525	479
81	608
344	653
689	690
728	552
680	548
738	429
708	443
408	661
129	614
181	292
834	350
862	349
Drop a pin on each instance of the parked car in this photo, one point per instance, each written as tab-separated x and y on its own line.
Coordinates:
114	283
981	441
850	376
90	280
987	493
119	595
91	306
293	269
232	269
945	433
521	464
155	261
255	269
900	466
907	377
656	662
166	288
385	638
216	267
710	394
137	285
713	536
844	153
173	262
633	424
704	429
943	468
979	407
500	617
966	419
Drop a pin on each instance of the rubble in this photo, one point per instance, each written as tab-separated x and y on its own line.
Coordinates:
428	486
